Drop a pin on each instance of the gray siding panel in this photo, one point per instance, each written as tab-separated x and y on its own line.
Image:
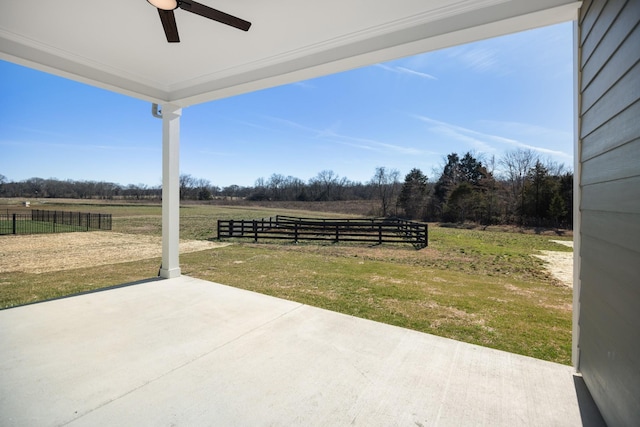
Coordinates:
604	69
590	12
615	196
620	229
619	340
601	26
619	97
617	336
588	15
609	109
618	281
616	164
606	383
618	131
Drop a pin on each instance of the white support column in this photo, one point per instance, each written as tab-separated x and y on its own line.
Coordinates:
170	191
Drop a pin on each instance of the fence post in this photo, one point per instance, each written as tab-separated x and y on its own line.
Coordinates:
14	224
426	235
295	232
255	231
380	234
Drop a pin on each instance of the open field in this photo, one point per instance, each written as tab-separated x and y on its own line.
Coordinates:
483	287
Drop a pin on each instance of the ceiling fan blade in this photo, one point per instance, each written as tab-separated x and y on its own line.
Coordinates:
216	15
169	24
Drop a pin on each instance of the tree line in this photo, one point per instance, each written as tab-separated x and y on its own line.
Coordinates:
529	191
70	189
519	188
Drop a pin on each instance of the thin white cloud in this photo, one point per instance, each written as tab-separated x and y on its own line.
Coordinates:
404	70
371	144
293	125
478	139
477	58
331	134
476	143
527	129
249	124
24	129
304	85
415	73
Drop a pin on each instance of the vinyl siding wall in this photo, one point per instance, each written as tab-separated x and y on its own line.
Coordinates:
609	126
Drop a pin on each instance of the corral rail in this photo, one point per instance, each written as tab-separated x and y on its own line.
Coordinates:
374	230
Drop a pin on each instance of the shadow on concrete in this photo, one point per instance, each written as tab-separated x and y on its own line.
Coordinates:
589	412
91	291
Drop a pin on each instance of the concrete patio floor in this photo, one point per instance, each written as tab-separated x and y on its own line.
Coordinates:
189	352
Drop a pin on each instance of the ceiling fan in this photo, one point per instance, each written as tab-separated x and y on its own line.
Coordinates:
166	8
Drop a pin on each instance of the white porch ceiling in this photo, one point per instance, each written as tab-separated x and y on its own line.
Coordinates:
120	45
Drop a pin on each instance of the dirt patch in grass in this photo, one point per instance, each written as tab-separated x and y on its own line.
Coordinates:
559	264
40	253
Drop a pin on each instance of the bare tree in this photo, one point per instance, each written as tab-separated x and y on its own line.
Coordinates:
554	168
187	183
203	189
259	190
324	184
294	189
386	183
275	184
516	166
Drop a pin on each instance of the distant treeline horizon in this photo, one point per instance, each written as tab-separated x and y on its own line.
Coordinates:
528	190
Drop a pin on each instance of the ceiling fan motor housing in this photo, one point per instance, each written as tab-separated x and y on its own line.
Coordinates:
165	4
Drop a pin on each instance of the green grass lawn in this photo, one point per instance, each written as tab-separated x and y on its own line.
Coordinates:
475	286
35	227
482	287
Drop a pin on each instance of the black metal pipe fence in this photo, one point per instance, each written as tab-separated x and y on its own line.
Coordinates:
46	221
374	230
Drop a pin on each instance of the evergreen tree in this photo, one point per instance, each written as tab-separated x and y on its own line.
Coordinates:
538	193
557	208
461	191
413	195
460	204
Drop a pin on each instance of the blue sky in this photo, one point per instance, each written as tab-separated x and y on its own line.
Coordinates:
487	97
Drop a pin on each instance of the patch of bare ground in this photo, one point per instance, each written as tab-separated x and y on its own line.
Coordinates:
559	264
40	253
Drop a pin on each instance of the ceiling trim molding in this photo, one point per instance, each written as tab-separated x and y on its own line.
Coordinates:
395	27
43	57
460	22
432	36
